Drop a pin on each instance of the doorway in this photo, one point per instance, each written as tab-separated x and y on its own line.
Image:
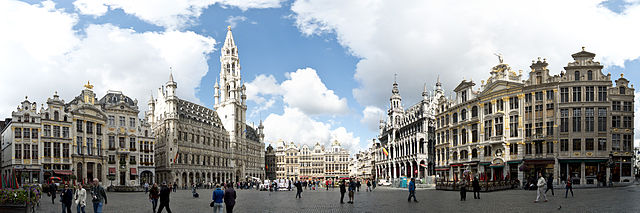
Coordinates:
122	178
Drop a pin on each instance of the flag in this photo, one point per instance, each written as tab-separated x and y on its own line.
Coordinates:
175	158
384	150
422	164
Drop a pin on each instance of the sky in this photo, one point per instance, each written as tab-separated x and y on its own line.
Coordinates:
315	70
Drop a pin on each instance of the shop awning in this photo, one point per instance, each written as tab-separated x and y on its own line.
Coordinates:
582	160
456	164
62	172
485	163
443	169
496	166
539	161
514	162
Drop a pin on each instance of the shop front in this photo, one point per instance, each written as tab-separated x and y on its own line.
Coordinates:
534	167
583	171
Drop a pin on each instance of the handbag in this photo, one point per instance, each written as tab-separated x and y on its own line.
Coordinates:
212	204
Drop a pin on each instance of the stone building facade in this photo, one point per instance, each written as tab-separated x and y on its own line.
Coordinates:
568	126
196	144
78	141
304	163
408	137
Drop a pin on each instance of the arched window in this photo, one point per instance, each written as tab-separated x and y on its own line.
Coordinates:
576	76
463	115
56	115
455	118
455	156
46	116
474	111
589	75
464	136
474	153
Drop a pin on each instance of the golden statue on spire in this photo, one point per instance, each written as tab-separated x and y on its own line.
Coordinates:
229	28
88	85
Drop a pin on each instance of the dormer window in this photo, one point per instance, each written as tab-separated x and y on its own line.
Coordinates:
589	75
622	91
464	96
577	76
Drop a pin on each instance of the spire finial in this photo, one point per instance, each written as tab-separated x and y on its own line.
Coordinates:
229	28
395	77
582	48
171	74
88	85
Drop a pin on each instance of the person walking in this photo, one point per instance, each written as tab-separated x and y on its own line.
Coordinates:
343	189
550	186
541	183
165	192
146	188
53	191
66	197
358	185
98	196
154	194
368	185
476	188
412	190
299	189
352	189
80	198
567	188
175	186
327	183
229	198
463	189
217	197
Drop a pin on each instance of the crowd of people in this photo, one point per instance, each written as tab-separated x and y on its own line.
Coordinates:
78	195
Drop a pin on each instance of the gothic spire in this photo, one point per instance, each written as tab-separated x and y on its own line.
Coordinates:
228	41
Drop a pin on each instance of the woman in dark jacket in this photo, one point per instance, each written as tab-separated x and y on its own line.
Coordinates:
229	198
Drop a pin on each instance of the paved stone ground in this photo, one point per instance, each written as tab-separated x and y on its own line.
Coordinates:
622	199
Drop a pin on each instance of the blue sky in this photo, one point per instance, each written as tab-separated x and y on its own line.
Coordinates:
347	52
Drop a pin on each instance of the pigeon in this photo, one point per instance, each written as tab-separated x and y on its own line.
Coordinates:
559	207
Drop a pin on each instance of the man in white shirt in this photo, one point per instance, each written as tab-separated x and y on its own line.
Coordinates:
541	183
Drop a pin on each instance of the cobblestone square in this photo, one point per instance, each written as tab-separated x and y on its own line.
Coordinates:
622	199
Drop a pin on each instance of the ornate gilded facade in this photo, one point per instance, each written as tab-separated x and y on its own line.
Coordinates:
576	125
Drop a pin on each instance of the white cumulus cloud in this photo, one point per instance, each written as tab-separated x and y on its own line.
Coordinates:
234	20
294	125
91	7
419	39
371	116
171	14
303	90
42	42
